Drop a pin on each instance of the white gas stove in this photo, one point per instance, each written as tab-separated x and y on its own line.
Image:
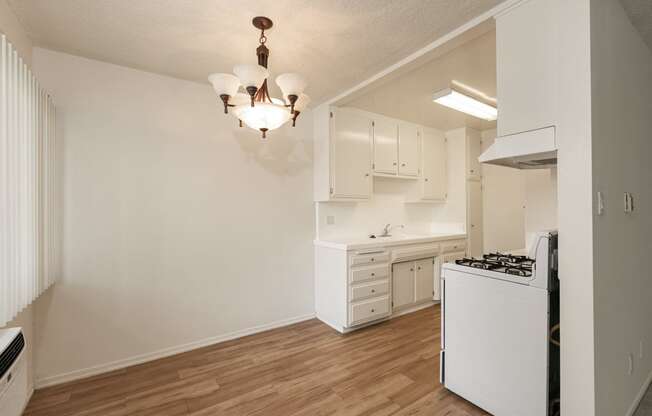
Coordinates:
497	314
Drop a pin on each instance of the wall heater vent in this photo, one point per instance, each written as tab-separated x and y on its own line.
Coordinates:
13	373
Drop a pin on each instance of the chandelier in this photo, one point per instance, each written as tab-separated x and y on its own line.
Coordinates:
254	107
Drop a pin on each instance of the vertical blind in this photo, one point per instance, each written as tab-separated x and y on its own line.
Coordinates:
29	203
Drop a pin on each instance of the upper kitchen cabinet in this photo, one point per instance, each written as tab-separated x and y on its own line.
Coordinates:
432	186
408	149
395	147
385	131
342	154
526	67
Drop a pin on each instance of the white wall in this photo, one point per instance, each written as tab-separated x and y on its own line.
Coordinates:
621	69
387	204
179	227
503	204
540	201
10	26
575	206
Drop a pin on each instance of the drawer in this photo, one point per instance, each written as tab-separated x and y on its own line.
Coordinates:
368	310
370	258
369	273
451	246
368	290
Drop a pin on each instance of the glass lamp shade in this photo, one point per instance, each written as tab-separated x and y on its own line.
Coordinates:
224	84
291	84
250	75
263	115
302	102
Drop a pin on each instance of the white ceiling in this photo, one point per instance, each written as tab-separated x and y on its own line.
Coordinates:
334	43
640	13
409	95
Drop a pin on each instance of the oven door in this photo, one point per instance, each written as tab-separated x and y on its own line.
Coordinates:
496	344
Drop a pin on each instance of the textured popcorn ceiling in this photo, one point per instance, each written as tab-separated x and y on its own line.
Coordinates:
334	43
640	13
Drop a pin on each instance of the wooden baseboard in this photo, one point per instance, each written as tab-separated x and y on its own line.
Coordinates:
166	352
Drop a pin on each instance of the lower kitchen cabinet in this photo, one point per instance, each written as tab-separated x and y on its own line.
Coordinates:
412	282
403	284
424	279
441	260
358	286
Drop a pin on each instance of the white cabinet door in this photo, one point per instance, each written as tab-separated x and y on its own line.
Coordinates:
385	146
526	65
408	149
474	218
351	149
473	151
402	284
433	145
424	280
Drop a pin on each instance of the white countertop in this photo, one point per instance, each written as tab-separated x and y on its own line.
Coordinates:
365	243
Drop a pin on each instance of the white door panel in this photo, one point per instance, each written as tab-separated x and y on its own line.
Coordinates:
385	146
403	284
433	148
351	154
424	280
408	149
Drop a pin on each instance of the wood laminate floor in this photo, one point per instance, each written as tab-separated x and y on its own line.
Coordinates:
306	369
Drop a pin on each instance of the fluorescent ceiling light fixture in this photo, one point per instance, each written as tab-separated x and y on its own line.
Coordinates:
466	104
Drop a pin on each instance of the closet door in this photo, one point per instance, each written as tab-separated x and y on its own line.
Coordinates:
385	146
402	284
408	149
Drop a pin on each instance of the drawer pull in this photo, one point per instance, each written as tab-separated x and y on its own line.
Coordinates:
373	310
372	259
373	274
373	290
419	268
411	269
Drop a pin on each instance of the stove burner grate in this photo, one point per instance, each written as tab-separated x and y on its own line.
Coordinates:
520	266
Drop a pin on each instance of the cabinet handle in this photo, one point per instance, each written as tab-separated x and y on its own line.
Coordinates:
373	310
372	259
411	270
426	179
373	290
419	268
394	164
402	164
366	175
373	274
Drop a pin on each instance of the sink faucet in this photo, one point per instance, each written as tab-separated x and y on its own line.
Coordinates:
387	228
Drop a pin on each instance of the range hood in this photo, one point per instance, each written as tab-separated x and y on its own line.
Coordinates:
535	149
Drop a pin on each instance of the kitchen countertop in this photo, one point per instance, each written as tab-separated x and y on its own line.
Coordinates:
366	243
